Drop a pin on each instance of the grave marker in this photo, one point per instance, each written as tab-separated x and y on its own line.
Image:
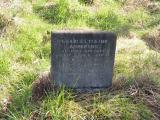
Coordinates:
82	59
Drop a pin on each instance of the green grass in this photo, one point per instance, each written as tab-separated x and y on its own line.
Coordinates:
25	54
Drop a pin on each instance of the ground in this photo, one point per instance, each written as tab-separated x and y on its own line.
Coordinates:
25	27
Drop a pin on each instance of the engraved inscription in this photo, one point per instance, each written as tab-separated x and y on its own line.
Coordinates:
73	50
85	47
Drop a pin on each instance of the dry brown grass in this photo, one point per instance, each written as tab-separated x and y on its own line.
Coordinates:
146	91
152	40
142	89
5	105
130	5
150	5
5	23
41	87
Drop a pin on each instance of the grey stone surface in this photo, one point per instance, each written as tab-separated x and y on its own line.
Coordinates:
82	59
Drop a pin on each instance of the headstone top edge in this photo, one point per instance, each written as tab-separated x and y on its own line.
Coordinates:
82	32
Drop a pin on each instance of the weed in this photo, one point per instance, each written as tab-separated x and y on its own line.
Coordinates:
4	66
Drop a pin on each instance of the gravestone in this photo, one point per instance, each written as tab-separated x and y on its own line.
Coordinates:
82	59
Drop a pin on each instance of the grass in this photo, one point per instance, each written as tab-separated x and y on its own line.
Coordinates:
25	54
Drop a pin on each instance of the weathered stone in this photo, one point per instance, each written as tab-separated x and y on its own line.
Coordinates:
82	59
